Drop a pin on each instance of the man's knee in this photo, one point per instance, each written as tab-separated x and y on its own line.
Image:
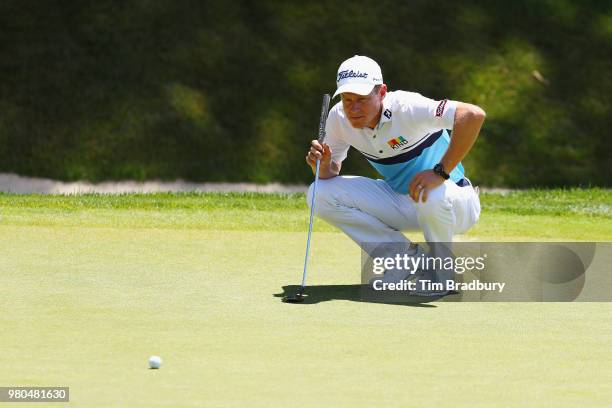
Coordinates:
438	204
323	197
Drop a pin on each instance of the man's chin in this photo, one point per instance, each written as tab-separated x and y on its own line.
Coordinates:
357	124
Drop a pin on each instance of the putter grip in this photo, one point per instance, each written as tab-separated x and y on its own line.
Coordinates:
324	110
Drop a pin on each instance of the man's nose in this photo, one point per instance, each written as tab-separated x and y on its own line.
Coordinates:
355	107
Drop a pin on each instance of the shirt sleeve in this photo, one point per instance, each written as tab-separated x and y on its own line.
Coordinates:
338	146
431	115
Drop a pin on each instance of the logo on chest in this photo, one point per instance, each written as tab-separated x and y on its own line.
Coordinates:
397	142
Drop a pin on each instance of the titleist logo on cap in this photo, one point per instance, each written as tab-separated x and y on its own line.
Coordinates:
351	74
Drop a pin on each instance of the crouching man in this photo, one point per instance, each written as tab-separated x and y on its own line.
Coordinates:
415	143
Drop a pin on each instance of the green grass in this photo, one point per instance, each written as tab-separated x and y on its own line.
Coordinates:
94	285
529	215
595	201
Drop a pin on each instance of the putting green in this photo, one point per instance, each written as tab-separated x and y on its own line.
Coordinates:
85	306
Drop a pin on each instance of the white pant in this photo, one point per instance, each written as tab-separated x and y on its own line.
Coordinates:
368	210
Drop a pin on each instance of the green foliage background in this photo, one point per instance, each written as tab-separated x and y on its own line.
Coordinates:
230	91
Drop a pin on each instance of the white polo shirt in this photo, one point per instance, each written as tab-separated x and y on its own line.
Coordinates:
410	137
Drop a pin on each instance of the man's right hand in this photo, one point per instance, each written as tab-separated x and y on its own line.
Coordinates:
318	151
321	151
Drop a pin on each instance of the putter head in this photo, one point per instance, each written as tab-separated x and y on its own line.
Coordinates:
297	298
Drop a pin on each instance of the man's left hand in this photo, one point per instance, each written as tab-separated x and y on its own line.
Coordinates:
423	182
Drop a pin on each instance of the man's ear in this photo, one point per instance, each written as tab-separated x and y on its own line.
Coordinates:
383	91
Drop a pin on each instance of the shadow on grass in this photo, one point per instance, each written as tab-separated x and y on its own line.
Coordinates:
325	293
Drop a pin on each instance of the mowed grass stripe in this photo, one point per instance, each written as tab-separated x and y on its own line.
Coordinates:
594	202
582	215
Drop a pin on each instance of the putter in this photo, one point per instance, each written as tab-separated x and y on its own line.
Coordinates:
299	296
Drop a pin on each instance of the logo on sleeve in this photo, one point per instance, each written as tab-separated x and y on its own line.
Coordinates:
440	108
387	113
397	142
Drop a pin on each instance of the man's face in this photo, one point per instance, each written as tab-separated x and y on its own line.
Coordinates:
364	110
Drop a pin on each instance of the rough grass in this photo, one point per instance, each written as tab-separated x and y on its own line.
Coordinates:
584	202
531	215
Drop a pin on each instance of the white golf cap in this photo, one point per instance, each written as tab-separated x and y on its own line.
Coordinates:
358	75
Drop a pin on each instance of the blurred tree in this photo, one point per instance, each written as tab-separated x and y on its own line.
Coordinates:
229	91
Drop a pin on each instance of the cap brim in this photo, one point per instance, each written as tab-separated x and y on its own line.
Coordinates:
359	89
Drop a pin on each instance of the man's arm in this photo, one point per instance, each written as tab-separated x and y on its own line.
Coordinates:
467	123
328	168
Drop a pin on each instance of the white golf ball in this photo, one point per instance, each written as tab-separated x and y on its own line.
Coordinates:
155	362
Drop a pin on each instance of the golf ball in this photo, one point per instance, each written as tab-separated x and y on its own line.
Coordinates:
155	362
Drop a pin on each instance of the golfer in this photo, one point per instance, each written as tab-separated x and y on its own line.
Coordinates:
415	143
